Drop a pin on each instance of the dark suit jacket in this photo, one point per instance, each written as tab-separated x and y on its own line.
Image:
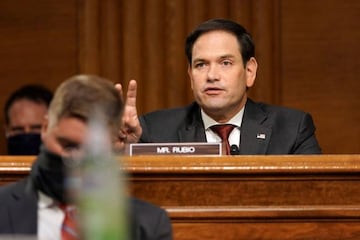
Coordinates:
18	211
265	129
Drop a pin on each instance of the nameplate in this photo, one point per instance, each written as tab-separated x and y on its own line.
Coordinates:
175	149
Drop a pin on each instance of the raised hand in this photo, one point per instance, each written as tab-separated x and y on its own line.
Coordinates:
131	130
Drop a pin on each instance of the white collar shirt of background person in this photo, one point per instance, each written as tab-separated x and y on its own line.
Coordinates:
234	137
50	218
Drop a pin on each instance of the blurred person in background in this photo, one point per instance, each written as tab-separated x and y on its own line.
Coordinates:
24	112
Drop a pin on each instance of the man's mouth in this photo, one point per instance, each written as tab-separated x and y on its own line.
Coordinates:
213	90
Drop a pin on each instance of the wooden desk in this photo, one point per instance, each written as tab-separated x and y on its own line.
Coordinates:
244	197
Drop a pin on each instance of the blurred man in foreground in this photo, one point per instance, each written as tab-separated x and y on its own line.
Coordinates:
34	206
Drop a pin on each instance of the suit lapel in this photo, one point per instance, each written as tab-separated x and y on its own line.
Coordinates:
23	209
193	128
254	134
192	134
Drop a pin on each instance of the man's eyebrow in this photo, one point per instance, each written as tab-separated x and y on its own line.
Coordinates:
227	56
66	140
35	126
17	128
198	60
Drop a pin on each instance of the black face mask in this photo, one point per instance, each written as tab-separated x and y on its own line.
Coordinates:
24	144
49	174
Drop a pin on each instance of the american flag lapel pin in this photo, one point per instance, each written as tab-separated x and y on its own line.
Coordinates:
260	136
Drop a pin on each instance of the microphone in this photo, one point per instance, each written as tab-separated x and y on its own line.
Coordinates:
234	150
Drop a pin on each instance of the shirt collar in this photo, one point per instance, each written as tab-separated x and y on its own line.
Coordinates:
236	120
45	201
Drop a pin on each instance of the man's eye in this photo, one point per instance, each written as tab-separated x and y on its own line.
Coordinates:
70	147
35	128
227	63
16	130
199	65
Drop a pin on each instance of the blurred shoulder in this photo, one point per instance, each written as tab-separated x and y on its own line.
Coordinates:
149	221
144	209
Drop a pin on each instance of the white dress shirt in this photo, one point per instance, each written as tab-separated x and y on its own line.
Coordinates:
211	136
50	218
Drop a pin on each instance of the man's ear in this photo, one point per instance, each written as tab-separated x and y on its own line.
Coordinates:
251	69
190	75
6	130
44	127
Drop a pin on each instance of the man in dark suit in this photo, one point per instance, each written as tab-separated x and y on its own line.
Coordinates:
33	205
222	67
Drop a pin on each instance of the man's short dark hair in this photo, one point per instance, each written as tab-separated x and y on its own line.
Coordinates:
33	92
247	48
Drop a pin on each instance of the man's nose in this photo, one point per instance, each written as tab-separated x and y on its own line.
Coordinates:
213	73
27	129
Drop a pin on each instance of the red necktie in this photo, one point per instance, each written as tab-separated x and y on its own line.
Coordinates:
224	130
69	226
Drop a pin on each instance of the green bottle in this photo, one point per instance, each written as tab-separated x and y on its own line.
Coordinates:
102	199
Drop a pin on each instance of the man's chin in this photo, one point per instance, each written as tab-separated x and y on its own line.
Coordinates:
214	109
214	104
